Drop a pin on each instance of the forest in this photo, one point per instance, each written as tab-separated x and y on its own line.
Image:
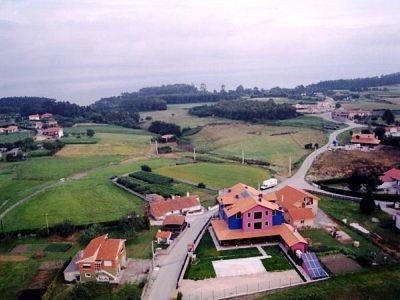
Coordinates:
246	110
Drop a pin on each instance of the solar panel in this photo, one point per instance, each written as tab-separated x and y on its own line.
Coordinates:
312	266
245	194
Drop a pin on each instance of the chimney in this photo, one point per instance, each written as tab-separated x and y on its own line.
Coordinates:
187	194
282	198
173	196
294	228
237	196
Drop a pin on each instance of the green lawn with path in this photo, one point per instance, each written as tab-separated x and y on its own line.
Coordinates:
206	253
216	175
278	261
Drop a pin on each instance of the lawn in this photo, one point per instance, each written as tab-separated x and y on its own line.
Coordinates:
307	121
125	144
370	284
370	105
92	198
321	242
206	253
103	128
207	197
14	137
140	246
340	209
80	140
216	175
178	114
270	144
278	261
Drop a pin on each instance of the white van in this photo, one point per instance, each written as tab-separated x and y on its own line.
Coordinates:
267	184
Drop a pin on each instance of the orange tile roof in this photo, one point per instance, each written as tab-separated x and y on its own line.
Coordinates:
244	205
52	129
173	220
93	246
236	192
364	138
391	175
297	214
163	234
286	231
102	248
160	208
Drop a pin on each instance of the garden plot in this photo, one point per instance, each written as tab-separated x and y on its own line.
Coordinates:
238	267
340	263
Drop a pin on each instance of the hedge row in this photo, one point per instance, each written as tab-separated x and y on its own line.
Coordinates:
151	177
143	187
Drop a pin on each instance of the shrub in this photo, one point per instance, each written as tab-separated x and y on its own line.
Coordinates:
145	168
90	132
151	177
367	203
87	235
58	247
164	149
64	228
201	185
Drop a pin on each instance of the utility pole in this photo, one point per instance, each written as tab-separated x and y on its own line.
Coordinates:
194	153
242	154
47	223
151	147
156	148
290	166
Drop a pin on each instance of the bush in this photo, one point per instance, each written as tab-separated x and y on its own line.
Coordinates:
87	235
145	168
201	185
64	228
90	132
58	247
143	187
164	149
367	203
151	177
162	128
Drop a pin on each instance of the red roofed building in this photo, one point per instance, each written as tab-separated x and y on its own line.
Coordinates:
35	117
174	206
102	260
46	116
163	237
365	139
391	181
54	132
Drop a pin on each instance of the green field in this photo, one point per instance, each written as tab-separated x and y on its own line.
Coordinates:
92	198
216	175
103	128
14	137
370	105
377	284
125	144
178	114
306	121
140	246
278	261
80	140
257	142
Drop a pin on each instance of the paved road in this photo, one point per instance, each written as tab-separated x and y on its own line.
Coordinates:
170	265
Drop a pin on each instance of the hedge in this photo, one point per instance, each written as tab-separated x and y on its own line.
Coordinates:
151	177
143	187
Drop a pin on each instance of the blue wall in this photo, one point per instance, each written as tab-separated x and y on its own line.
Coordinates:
234	223
277	219
222	214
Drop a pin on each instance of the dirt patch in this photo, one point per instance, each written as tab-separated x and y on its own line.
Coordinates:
78	176
46	273
340	263
341	163
13	258
57	239
20	249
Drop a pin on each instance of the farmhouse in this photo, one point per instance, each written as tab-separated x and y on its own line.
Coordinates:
248	216
174	206
340	114
38	125
46	116
54	132
365	139
163	237
102	260
299	206
52	123
393	131
391	181
35	117
9	129
354	113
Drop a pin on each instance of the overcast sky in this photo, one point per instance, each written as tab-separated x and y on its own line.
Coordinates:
84	50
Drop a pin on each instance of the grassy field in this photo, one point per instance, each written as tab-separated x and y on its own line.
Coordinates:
370	284
257	142
140	247
216	175
321	242
125	144
178	114
80	140
103	128
92	198
278	261
306	121
14	137
349	210
206	253
370	105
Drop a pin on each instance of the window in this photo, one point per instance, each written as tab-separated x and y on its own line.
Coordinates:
249	225
239	215
257	225
249	215
88	275
266	223
258	215
266	212
107	263
302	221
86	266
97	265
274	213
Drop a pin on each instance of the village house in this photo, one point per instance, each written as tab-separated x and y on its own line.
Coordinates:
174	206
393	131
299	206
365	139
340	114
51	123
248	216
46	116
174	223
390	181
163	237
54	132
38	125
9	129
102	260
354	113
35	117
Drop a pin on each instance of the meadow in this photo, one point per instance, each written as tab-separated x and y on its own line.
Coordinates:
102	128
219	175
14	137
370	105
264	143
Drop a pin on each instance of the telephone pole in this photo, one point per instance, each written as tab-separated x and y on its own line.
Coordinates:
156	148
290	166
242	154
47	223
194	153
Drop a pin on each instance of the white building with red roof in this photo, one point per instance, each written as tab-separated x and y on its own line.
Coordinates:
102	260
391	181
35	117
54	132
174	206
365	139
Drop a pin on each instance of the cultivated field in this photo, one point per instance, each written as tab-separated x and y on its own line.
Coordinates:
216	175
370	105
14	137
102	128
273	144
178	114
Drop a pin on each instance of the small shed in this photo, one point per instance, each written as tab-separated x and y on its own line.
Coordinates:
174	223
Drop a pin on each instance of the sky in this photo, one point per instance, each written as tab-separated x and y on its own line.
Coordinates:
81	51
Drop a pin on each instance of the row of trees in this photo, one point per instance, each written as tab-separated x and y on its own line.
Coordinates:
247	110
160	127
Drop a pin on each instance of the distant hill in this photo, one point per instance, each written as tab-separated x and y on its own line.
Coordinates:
355	84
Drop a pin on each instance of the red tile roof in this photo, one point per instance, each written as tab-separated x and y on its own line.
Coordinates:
391	175
237	192
163	234
364	138
102	248
173	220
52	129
244	205
160	208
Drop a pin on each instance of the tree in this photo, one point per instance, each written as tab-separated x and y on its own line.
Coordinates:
372	182
338	105
90	132
388	116
355	181
367	203
380	132
145	168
